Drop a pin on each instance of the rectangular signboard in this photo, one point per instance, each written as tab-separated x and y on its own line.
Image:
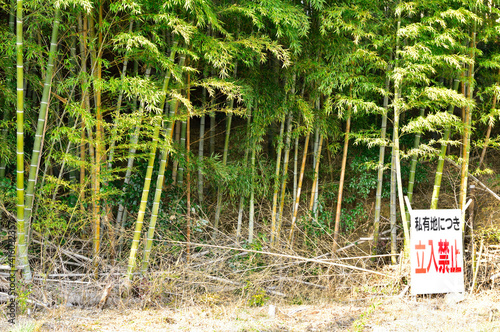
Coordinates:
436	251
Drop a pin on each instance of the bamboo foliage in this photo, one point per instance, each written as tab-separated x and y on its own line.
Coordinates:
104	118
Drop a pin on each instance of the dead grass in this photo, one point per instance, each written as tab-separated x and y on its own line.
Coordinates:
478	312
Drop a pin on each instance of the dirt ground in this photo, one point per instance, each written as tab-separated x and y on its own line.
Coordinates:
477	312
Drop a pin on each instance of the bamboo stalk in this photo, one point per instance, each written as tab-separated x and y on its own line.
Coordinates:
180	170
224	158
224	163
245	165
142	207
134	139
276	182
442	155
380	171
341	181
22	248
285	175
201	143
159	187
397	96
467	129
200	157
299	187
313	204
393	209
398	178
413	165
295	168
252	195
188	179
41	123
147	183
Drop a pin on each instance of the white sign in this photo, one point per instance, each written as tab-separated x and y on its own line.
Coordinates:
436	252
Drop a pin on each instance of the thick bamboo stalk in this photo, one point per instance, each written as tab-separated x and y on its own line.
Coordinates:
295	167
224	158
147	182
252	197
398	177
276	182
285	174
380	171
180	170
188	185
22	248
467	130
341	181
142	207
442	155
397	96
176	162
413	165
245	165
393	209
313	204
159	187
224	162
201	144
315	158
299	187
41	123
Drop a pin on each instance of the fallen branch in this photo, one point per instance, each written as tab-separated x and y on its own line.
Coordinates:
361	240
305	259
27	300
296	280
475	179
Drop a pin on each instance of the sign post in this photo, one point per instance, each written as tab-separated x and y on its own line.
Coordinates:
436	251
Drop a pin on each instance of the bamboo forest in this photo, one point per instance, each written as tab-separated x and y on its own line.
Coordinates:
264	150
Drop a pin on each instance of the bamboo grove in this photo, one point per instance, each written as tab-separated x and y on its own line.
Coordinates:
142	121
